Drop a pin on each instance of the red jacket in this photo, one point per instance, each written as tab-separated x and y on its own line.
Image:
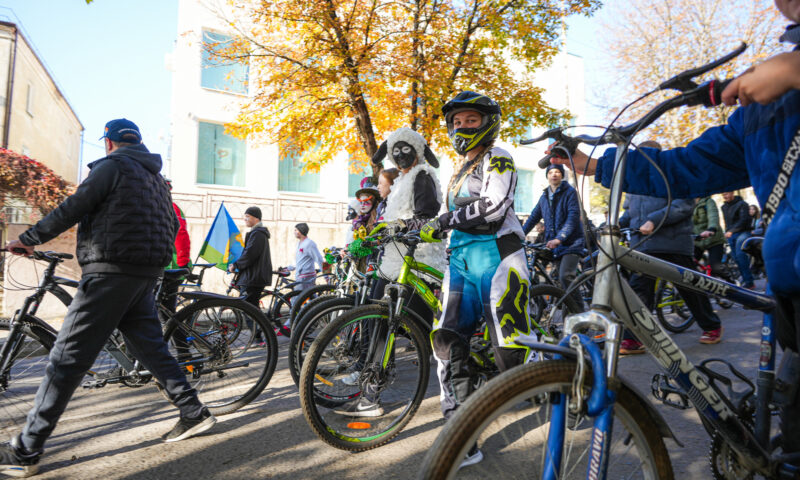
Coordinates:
182	243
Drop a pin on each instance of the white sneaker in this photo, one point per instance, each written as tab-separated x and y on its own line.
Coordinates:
473	456
351	379
360	407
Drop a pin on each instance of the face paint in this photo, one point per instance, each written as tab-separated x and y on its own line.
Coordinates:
403	155
364	204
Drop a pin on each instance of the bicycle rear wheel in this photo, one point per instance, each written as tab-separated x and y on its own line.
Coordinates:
19	384
510	418
336	372
227	350
671	309
308	328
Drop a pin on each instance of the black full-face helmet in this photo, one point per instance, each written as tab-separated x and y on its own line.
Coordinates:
465	139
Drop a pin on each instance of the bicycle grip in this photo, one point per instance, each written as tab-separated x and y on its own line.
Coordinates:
715	88
544	162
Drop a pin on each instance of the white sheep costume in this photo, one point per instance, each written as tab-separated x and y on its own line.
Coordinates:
400	205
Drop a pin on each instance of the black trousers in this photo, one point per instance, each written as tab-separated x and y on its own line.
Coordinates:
105	302
698	303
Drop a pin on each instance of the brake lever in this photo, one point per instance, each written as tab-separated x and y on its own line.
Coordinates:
554	133
683	81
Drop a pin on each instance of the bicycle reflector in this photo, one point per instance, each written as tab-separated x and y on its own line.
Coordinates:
359	425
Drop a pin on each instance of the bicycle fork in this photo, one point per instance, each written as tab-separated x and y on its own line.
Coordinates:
600	405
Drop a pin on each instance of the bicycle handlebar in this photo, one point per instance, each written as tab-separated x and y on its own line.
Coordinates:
37	255
708	94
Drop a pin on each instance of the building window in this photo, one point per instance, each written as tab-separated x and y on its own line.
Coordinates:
29	100
220	157
354	181
291	178
523	197
219	73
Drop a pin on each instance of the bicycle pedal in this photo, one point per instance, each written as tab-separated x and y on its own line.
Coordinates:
668	393
94	384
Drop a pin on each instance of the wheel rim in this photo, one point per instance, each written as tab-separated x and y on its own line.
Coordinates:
341	358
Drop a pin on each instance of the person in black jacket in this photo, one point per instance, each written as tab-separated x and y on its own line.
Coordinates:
736	213
255	263
125	239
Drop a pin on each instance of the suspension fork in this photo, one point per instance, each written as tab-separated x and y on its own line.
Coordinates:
600	404
15	341
382	335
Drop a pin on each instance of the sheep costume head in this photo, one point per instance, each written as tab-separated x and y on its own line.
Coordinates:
403	147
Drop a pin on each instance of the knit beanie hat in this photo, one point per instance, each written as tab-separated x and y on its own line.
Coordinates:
555	165
302	228
253	212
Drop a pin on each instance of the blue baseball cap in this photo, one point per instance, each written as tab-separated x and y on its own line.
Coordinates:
122	130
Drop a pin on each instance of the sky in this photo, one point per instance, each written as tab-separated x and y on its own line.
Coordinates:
108	59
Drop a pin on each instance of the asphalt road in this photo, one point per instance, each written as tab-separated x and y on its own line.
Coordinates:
113	433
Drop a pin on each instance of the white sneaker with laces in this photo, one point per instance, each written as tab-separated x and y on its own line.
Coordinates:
360	407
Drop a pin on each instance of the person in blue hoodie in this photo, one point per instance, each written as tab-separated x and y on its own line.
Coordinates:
559	208
749	150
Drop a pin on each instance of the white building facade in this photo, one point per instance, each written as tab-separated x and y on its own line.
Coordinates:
208	167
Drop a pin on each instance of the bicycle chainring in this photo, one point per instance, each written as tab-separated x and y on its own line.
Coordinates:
134	380
724	461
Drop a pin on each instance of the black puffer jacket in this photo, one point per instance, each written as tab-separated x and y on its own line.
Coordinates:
127	224
255	263
737	215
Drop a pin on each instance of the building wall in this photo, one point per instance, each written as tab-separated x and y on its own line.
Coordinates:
324	211
43	126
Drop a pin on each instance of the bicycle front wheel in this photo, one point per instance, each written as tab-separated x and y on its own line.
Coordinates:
509	418
18	385
337	375
226	349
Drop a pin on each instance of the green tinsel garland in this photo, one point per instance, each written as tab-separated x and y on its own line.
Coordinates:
358	250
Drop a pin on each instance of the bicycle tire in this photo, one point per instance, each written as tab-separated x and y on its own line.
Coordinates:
309	327
26	371
682	318
541	301
278	313
338	430
302	301
234	371
512	397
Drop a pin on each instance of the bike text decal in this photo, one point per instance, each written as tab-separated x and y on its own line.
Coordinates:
597	454
672	358
704	284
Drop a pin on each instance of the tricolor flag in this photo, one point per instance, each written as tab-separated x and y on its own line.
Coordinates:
223	244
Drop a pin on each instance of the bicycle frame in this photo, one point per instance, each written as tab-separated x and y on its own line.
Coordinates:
613	295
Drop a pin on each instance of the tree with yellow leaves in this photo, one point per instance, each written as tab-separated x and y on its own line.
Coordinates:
330	76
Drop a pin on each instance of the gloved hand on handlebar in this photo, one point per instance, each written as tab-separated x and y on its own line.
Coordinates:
431	232
389	228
